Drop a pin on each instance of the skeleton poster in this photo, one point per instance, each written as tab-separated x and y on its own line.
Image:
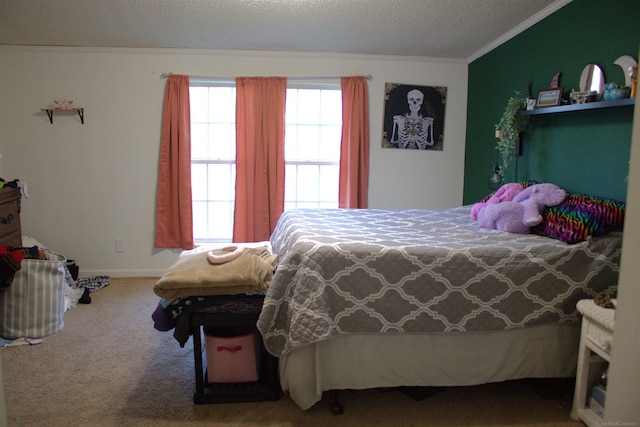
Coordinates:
413	116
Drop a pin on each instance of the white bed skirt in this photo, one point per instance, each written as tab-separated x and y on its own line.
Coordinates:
370	361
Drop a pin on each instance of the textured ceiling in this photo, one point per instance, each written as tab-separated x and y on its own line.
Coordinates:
432	28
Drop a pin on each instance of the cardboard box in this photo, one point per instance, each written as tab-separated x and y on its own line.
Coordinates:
232	359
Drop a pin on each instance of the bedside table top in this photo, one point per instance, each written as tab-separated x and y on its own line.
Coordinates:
604	317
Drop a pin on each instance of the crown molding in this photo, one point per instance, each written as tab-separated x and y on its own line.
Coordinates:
552	8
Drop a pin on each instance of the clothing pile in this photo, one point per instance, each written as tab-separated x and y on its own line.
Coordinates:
11	260
77	289
15	183
218	278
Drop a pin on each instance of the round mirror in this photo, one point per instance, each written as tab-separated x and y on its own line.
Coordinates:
592	80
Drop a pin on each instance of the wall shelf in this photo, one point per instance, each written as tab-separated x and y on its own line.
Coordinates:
578	107
51	110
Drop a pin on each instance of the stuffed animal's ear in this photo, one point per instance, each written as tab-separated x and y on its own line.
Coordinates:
556	197
500	191
524	194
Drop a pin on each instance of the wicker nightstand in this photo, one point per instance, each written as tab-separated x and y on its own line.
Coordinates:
593	356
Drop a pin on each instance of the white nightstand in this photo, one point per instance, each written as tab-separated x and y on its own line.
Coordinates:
594	354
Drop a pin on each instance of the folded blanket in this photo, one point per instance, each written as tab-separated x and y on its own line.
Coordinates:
193	274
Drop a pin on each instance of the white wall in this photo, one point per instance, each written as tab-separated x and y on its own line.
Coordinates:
1	113
90	184
623	387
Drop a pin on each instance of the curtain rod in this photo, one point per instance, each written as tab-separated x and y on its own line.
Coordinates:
165	75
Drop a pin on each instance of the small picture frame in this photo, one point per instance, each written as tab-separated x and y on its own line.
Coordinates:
549	98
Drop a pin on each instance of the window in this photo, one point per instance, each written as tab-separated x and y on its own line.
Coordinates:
312	153
312	147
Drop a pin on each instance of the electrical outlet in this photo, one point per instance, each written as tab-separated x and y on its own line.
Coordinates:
121	245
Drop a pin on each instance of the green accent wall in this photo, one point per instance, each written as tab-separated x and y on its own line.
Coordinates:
582	152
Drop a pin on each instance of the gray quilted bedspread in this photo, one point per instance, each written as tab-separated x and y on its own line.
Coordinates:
422	271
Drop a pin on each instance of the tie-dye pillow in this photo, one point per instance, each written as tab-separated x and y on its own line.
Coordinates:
580	216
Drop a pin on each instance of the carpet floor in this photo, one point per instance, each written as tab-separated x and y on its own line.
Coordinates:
110	367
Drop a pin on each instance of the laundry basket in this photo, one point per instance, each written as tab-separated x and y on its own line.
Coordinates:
33	306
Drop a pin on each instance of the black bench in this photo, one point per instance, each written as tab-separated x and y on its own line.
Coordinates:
238	318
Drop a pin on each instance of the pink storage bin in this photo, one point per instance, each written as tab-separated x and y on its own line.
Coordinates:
232	359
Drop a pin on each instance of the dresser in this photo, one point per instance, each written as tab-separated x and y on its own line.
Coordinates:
10	231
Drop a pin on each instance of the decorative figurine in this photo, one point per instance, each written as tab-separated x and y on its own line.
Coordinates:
531	102
626	62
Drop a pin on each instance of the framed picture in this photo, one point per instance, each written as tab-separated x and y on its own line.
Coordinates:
413	116
549	97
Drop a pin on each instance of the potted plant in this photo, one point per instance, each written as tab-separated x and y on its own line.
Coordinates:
509	128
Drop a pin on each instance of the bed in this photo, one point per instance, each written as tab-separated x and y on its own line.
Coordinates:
367	298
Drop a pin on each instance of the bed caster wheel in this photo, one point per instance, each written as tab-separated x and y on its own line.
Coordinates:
336	406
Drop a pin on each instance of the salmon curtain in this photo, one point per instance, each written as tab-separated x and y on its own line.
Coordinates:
354	149
260	123
174	221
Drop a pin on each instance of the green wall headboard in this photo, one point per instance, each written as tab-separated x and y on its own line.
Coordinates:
583	152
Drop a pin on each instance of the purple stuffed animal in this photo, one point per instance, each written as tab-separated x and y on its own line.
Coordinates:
537	197
523	212
506	216
504	194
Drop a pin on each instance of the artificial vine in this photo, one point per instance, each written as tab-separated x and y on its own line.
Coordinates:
509	128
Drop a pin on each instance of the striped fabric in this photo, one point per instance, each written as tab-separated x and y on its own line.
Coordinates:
33	306
580	216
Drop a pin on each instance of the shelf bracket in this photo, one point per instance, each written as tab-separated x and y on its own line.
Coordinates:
51	110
